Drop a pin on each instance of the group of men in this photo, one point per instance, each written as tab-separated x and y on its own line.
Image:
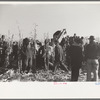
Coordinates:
68	55
88	54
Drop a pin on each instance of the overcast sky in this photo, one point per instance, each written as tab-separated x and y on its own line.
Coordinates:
82	19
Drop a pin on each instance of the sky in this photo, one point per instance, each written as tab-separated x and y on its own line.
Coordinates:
82	19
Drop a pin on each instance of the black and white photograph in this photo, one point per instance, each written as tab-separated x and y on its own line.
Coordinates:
52	42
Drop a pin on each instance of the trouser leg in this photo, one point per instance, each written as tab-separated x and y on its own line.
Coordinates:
2	60
56	66
24	64
89	66
63	66
33	62
16	61
95	69
27	64
99	69
75	73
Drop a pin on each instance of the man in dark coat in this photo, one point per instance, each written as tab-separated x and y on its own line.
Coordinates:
75	52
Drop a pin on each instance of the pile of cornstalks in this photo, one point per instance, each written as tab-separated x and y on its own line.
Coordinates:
41	75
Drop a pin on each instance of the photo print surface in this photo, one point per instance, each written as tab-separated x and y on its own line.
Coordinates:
49	42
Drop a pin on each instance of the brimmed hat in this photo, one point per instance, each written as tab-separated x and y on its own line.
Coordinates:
91	37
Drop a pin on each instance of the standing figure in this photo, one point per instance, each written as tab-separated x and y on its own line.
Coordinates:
14	56
91	56
51	55
75	52
40	58
3	51
58	62
33	52
27	55
68	62
99	60
46	54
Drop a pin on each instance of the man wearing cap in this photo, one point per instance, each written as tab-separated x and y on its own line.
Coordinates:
91	57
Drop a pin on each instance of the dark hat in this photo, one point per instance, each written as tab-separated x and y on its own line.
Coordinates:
77	40
26	41
91	37
3	36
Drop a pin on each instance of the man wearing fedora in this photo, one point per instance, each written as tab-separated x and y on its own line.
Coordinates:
91	56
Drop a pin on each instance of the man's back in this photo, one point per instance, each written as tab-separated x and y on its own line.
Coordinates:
91	51
75	53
